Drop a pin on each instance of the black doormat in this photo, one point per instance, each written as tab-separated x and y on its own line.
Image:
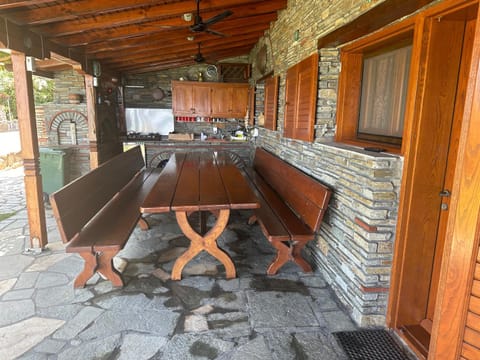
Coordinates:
370	345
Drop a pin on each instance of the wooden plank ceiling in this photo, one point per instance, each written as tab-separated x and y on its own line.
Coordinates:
129	36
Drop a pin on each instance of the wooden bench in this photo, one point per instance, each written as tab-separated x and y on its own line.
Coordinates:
97	212
292	207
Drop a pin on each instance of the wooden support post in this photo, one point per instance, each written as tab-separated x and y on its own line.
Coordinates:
30	151
92	120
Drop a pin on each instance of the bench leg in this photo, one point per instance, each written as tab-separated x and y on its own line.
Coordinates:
88	271
106	268
298	258
283	255
143	224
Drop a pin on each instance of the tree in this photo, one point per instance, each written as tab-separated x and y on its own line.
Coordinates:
43	89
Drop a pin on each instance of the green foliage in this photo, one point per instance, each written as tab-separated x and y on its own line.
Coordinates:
43	90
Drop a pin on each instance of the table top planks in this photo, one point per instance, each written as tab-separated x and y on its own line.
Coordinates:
200	181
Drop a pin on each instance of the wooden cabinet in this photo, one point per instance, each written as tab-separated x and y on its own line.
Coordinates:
225	100
190	100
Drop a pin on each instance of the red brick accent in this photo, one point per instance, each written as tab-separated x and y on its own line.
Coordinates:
365	226
373	289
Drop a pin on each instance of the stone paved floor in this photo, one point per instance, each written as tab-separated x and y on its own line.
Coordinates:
204	316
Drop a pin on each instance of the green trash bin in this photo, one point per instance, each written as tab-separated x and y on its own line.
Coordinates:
53	167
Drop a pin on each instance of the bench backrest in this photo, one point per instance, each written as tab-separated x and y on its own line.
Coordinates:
307	197
77	202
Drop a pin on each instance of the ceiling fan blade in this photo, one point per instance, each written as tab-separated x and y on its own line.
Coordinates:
213	32
218	17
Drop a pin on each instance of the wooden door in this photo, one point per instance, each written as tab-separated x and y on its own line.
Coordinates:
439	110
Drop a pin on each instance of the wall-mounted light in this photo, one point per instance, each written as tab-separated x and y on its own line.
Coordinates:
95	81
30	63
187	16
296	35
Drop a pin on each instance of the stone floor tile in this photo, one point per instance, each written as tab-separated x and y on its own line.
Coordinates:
21	337
6	285
57	295
42	263
195	323
13	266
14	311
194	347
18	294
50	279
338	321
50	346
141	347
74	326
27	280
277	309
255	349
161	323
103	348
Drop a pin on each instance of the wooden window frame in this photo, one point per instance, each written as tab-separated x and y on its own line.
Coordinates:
350	83
301	89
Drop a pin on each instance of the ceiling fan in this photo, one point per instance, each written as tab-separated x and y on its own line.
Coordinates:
203	26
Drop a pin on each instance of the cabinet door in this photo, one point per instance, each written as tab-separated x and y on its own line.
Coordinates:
229	100
239	102
201	95
182	100
221	100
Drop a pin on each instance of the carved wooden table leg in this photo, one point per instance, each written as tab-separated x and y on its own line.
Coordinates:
208	242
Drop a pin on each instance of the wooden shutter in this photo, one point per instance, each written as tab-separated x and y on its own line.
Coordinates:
471	340
301	99
271	101
306	98
290	102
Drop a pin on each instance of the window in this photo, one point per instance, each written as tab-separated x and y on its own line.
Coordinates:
384	90
373	90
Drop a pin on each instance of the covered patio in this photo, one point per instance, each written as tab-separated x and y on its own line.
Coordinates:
378	100
288	316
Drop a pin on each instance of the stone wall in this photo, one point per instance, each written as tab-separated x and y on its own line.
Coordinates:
354	247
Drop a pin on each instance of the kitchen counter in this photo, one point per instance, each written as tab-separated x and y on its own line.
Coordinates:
156	151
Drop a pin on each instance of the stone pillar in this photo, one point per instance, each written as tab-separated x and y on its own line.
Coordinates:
30	151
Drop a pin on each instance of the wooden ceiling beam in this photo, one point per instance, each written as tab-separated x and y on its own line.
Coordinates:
184	52
139	68
10	4
143	51
93	37
161	39
73	10
142	14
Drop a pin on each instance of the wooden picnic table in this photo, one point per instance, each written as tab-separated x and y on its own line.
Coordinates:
200	181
